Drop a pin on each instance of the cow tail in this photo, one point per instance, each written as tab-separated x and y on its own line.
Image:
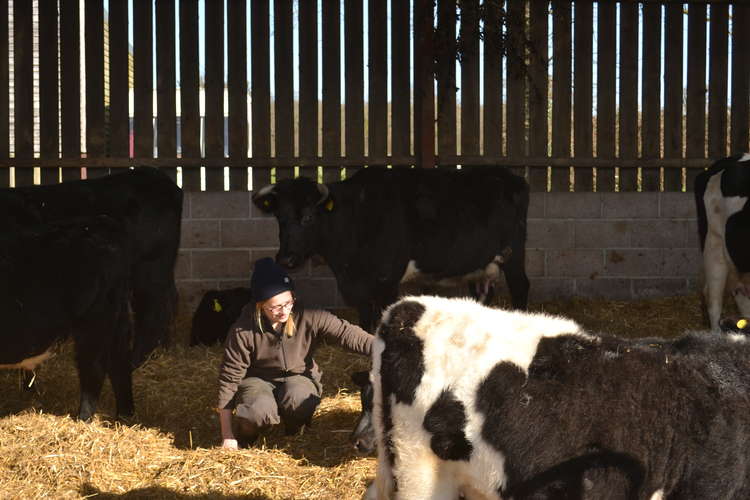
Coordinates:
701	181
521	201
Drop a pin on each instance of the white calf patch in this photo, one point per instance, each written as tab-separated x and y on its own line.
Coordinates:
29	364
717	265
745	157
412	272
265	190
658	495
490	272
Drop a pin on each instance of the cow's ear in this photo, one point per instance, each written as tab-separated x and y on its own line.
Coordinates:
361	378
266	199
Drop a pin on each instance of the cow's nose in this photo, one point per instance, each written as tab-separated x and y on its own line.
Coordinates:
361	446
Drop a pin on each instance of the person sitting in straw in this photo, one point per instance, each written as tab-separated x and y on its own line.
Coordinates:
268	374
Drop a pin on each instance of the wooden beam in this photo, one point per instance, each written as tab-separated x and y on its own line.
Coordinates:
238	89
166	75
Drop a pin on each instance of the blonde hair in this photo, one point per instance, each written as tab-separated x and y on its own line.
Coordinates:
290	327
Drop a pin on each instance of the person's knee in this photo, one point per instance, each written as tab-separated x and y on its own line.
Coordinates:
298	401
260	412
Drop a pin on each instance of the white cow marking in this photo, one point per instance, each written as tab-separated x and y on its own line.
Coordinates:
658	495
29	364
717	264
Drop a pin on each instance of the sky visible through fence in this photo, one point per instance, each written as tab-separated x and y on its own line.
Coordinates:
319	65
202	35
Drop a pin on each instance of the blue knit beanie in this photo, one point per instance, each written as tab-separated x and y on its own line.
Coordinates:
269	279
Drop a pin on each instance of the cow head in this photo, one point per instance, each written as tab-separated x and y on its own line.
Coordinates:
363	435
297	205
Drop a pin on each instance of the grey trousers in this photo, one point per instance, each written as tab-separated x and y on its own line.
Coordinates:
263	402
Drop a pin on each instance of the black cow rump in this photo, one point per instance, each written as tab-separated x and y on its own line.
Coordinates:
148	204
71	279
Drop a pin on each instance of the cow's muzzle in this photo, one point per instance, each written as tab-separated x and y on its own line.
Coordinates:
363	435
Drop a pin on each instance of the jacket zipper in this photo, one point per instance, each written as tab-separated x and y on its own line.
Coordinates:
283	354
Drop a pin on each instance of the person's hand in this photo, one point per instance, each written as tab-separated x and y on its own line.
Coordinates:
229	444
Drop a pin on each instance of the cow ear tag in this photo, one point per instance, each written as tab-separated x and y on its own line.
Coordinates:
266	203
329	205
742	323
217	305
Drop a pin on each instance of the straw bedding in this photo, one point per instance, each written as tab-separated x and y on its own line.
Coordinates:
169	450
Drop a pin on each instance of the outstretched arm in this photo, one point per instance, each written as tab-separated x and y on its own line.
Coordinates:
347	335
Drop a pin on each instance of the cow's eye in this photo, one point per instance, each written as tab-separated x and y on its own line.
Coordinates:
306	219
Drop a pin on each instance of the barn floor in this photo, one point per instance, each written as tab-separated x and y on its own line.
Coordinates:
169	450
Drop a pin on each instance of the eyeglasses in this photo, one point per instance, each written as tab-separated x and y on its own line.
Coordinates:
287	306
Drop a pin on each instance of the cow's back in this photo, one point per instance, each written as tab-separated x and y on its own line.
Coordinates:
452	221
144	198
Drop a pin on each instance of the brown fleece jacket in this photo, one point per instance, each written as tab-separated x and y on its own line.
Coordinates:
248	352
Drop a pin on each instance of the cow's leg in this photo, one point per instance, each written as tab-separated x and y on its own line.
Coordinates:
427	478
365	313
154	306
515	275
119	368
91	357
370	313
743	304
716	269
383	487
385	296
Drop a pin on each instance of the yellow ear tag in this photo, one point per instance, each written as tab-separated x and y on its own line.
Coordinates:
217	306
266	203
329	205
742	324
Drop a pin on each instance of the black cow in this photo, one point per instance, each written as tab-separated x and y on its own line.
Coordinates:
216	312
70	278
149	204
491	404
721	195
382	227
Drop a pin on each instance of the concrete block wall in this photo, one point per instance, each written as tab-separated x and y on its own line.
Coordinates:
222	235
610	245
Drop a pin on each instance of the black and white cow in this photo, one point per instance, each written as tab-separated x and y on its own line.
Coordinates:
149	204
488	404
383	227
70	279
216	312
721	195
